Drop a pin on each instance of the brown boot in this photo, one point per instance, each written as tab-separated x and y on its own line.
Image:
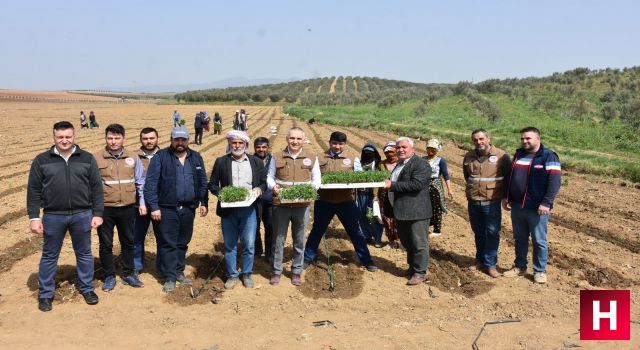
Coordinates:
493	272
415	280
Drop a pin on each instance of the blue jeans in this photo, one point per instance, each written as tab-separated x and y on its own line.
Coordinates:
485	222
55	228
140	228
527	222
174	234
348	215
240	223
372	231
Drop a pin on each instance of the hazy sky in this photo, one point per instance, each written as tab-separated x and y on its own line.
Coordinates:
91	44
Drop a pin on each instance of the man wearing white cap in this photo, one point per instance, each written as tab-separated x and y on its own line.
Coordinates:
176	185
237	169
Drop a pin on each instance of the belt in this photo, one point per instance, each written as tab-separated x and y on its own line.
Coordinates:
483	203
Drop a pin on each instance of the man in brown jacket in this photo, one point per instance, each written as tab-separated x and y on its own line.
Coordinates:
485	169
341	202
121	172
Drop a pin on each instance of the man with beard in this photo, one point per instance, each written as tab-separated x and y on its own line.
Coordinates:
289	167
340	202
238	169
148	149
122	173
484	169
265	206
176	186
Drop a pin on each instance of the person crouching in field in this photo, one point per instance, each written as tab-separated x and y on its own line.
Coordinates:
84	124
238	169
65	182
436	190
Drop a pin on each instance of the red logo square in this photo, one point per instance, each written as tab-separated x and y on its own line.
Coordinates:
605	315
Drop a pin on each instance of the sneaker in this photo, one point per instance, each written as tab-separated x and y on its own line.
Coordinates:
109	283
435	234
540	277
296	280
169	286
372	268
247	281
378	245
90	298
275	279
514	272
133	281
415	280
493	272
184	280
45	304
231	282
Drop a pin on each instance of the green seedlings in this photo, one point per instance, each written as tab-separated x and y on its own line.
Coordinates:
344	177
301	191
234	194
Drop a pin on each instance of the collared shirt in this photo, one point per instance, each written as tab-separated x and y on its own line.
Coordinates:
241	174
66	159
316	176
398	169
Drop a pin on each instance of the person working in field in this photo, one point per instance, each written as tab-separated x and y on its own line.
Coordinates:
289	167
238	169
340	202
176	119
217	124
84	124
198	125
436	190
65	182
93	123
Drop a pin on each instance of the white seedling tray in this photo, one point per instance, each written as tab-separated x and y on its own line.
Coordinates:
246	203
353	185
296	201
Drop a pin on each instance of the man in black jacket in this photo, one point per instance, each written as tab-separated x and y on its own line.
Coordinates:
236	168
409	196
65	182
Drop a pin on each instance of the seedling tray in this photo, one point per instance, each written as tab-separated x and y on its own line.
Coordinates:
245	203
353	185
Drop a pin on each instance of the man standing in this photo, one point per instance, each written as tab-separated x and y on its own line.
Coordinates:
531	190
409	196
176	119
198	124
121	173
176	185
484	169
238	169
339	202
265	206
289	167
148	149
65	182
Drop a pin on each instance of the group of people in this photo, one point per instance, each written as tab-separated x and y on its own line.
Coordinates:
166	188
90	123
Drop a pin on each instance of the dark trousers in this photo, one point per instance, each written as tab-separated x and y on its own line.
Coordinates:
121	218
55	228
413	236
372	231
348	214
140	229
264	214
485	222
198	139
174	234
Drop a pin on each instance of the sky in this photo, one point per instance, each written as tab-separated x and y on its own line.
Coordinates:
58	45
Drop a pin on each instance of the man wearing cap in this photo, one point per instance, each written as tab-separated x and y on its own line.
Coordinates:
409	196
122	173
265	202
176	185
289	167
484	169
238	169
340	202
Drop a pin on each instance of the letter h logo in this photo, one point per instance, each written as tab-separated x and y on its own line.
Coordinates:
605	314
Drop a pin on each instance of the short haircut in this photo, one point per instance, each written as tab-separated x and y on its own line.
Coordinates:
338	136
63	125
404	138
530	129
114	129
260	141
148	130
485	132
296	128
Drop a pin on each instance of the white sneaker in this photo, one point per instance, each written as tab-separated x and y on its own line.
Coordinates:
435	234
540	277
514	272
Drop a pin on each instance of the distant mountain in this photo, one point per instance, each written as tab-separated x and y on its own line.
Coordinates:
219	84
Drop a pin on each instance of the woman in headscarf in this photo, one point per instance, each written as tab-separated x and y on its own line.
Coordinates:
370	160
389	221
439	171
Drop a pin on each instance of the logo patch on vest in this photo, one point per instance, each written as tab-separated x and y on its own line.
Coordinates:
538	166
306	162
346	162
493	159
129	161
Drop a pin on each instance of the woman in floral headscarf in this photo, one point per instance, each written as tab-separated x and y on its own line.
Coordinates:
439	171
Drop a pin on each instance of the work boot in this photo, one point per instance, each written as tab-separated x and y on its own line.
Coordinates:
169	286
275	279
493	272
296	280
247	281
45	304
415	280
184	280
231	282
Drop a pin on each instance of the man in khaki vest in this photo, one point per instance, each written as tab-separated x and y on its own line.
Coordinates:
339	202
121	173
289	167
485	169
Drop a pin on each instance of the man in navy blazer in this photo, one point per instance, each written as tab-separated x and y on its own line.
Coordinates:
237	168
409	196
